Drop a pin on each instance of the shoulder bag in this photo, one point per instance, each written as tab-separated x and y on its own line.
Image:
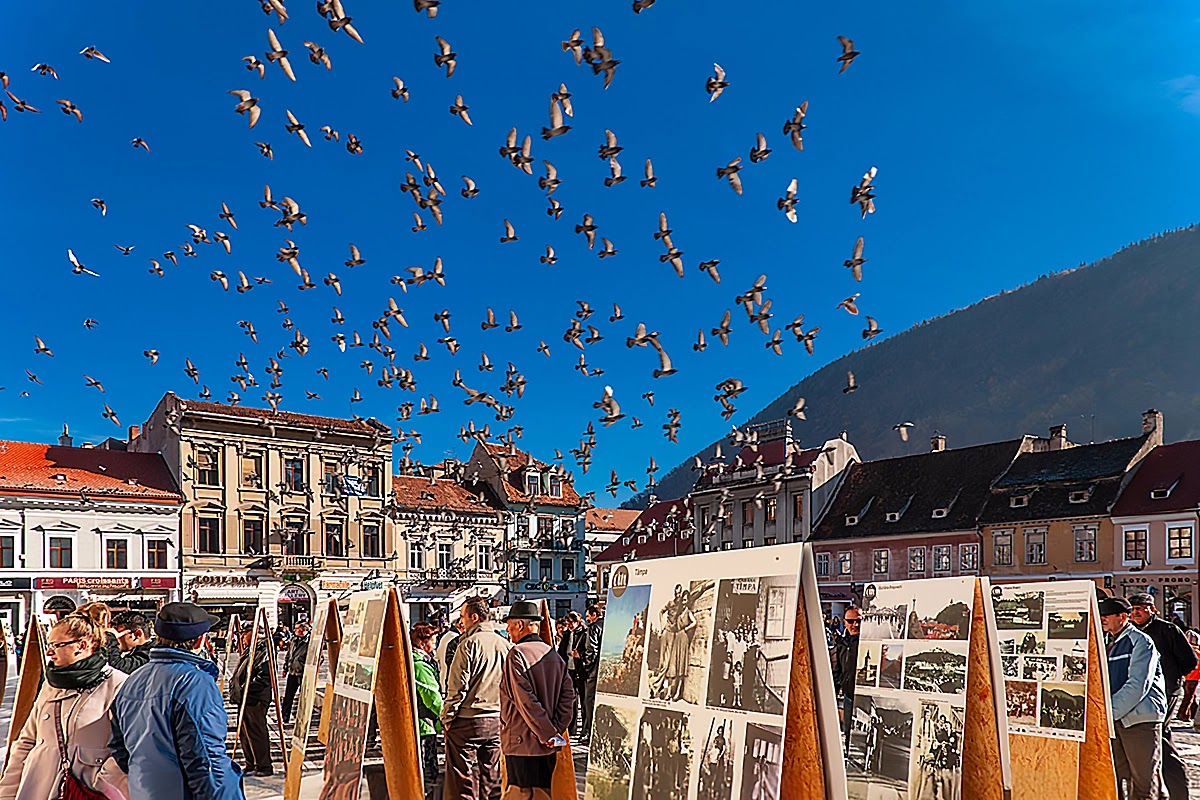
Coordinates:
71	787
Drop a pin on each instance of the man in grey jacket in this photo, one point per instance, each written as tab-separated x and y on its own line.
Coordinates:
471	713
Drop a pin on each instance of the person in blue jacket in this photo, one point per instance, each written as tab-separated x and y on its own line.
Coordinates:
168	719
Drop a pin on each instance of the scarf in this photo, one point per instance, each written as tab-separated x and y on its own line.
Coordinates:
83	674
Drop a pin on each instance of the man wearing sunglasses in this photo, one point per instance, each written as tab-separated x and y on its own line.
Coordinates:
845	662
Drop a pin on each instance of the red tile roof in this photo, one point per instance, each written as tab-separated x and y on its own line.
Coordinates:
415	491
364	426
610	520
513	477
1174	468
28	468
667	528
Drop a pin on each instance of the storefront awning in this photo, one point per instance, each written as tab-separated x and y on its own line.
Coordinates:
226	594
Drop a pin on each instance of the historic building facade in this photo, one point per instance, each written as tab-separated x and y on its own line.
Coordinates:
79	524
664	529
272	500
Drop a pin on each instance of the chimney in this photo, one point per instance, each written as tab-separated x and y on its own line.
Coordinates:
65	439
1058	437
1152	423
134	432
937	443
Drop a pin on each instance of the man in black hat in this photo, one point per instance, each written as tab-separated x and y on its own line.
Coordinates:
1178	659
168	718
537	702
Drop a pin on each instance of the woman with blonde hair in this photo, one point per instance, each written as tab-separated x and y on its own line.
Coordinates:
69	721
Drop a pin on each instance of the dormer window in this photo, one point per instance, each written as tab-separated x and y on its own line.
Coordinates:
60	477
533	483
893	516
940	513
643	538
555	486
851	520
1018	501
1079	496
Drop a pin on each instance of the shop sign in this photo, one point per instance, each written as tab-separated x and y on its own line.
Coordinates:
293	593
156	583
376	583
224	581
335	585
84	582
15	583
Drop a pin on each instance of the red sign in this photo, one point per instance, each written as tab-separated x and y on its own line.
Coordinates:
84	582
157	583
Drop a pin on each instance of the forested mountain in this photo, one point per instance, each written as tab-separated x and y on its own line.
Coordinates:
1091	346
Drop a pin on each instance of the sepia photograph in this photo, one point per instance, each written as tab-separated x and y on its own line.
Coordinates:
1018	608
623	647
610	756
1039	668
752	643
1021	697
867	671
762	763
1029	643
677	643
1067	624
940	608
891	661
372	628
937	752
344	754
1063	706
664	756
940	668
714	778
1074	669
880	748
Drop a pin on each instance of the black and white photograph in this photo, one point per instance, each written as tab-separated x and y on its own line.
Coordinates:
1018	608
664	756
1063	705
1074	669
610	756
867	671
937	752
752	643
891	664
880	748
940	608
1039	668
884	613
1028	643
1011	665
1067	625
940	668
623	647
1021	697
677	645
714	778
762	763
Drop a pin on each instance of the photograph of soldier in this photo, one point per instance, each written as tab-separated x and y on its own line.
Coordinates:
1067	624
1021	697
880	749
937	749
610	756
715	778
1039	668
678	642
867	672
1063	706
624	642
891	661
664	756
1018	608
752	643
935	667
762	763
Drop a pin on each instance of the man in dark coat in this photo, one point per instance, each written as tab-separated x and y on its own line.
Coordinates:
133	642
845	665
252	680
294	667
1177	659
589	661
537	702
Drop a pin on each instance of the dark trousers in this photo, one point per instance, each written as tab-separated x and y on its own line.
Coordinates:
429	767
1137	756
473	759
578	682
1174	774
589	705
289	695
847	718
256	741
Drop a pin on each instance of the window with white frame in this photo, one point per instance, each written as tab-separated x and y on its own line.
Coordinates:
416	556
747	543
61	552
968	557
1179	542
1035	545
823	564
1085	542
445	555
533	483
879	561
156	554
208	466
1136	549
1002	548
770	509
116	554
916	560
941	557
483	557
555	486
844	562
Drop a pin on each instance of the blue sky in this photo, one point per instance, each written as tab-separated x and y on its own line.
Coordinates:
1010	140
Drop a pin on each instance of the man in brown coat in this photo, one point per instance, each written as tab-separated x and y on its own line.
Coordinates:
537	702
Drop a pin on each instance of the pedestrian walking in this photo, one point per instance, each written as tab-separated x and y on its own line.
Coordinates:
1187	706
845	666
65	739
429	705
573	638
1177	659
590	666
251	684
294	668
1139	701
445	650
471	713
133	642
537	702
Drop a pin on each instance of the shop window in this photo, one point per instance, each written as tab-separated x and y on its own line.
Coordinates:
156	554
208	535
372	546
60	552
116	554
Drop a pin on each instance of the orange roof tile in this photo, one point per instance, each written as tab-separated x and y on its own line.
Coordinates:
614	520
29	468
513	477
415	491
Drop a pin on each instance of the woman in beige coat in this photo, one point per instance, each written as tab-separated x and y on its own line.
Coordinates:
79	687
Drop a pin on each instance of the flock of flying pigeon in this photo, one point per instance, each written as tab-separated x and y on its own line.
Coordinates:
429	197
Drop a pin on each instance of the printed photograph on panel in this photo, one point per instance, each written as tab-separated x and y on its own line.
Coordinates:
664	756
1018	608
714	780
1063	706
1022	697
940	609
1067	624
880	750
937	752
610	756
372	628
891	661
762	763
1029	643
364	677
1074	669
1039	668
867	672
940	668
344	755
1011	666
624	643
752	643
884	612
677	644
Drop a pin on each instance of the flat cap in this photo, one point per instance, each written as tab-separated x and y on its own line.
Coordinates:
181	622
1141	599
1114	605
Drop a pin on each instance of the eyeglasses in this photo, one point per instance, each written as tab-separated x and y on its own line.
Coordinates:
52	646
853	621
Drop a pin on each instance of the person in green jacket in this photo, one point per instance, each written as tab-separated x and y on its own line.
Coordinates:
429	704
